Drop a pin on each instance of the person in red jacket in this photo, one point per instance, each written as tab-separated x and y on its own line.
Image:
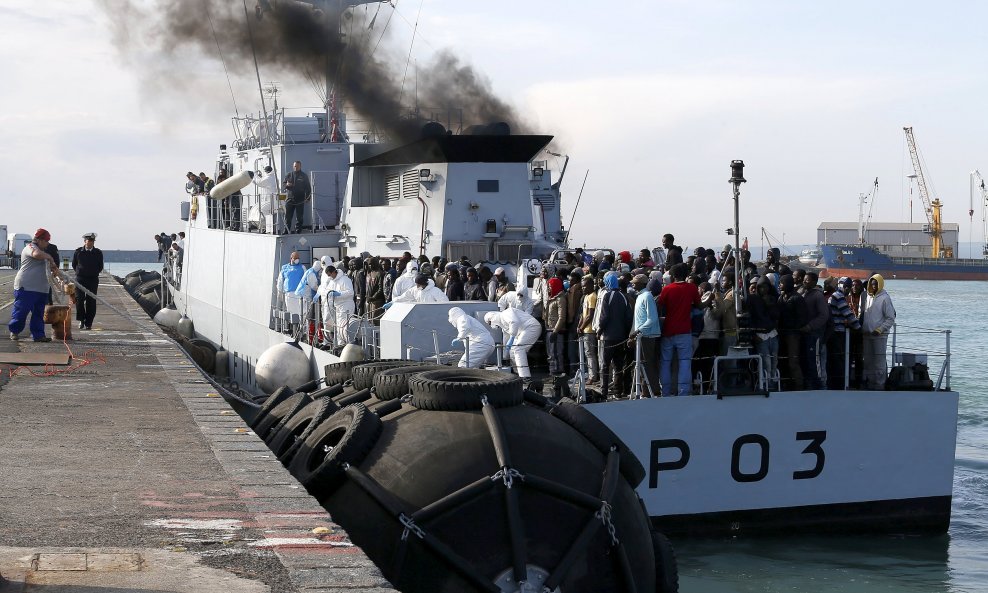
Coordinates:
678	301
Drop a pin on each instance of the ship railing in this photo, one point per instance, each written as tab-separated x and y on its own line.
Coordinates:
923	344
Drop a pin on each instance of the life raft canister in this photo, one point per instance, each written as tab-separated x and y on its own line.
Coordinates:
195	207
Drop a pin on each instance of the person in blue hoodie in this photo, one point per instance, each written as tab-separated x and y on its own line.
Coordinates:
614	327
289	279
647	328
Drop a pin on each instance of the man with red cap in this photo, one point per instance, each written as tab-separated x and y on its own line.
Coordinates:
31	288
555	326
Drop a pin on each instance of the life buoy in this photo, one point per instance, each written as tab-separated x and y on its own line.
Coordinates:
195	207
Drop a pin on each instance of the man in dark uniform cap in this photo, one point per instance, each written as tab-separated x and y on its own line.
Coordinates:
87	261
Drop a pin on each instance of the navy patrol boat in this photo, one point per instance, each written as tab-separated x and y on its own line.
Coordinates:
726	462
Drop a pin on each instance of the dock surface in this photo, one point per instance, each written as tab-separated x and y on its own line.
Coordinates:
126	471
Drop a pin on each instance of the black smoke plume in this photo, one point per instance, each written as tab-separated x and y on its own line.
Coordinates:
311	44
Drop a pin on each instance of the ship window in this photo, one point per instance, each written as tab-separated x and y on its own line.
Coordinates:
488	186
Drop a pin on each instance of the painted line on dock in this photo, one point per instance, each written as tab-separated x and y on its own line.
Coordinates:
5	305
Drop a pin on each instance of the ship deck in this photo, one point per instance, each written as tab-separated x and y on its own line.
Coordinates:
126	471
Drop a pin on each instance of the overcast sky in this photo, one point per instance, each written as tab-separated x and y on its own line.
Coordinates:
654	98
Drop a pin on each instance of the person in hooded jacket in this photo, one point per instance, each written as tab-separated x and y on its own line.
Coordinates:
763	309
843	321
390	275
614	327
517	299
375	291
792	318
454	286
555	326
877	319
289	279
406	281
521	332
473	288
327	308
481	343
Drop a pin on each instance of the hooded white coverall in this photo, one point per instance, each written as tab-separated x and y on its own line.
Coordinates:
481	340
342	304
516	299
307	289
326	303
429	294
523	330
406	281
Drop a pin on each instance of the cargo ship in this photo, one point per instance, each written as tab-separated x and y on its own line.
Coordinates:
862	261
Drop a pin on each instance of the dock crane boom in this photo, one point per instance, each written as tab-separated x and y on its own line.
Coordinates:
934	228
978	182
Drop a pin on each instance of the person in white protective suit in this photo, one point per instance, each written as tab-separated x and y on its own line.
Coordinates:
326	304
481	342
516	299
521	331
306	290
406	281
423	291
267	192
339	293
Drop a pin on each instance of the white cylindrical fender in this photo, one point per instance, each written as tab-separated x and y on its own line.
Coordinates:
185	327
167	317
282	365
235	183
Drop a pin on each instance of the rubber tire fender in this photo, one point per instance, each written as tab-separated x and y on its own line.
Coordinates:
363	375
462	389
351	433
286	442
280	414
393	383
601	436
340	372
280	395
666	569
205	345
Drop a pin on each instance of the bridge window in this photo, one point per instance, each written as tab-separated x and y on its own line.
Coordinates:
488	186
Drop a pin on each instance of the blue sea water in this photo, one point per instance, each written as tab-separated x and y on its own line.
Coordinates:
123	268
953	563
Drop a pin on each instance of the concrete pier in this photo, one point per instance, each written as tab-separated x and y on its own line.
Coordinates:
127	472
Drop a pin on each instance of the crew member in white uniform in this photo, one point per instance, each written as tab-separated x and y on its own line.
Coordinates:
424	291
516	299
480	339
522	330
267	191
406	281
340	295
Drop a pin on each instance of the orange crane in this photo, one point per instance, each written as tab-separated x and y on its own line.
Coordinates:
934	226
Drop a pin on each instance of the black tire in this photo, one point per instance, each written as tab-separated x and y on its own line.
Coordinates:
205	345
339	372
666	569
393	383
280	395
349	434
536	399
363	375
286	441
462	389
148	287
601	436
278	415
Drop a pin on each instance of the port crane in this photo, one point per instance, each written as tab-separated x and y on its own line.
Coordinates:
934	226
978	185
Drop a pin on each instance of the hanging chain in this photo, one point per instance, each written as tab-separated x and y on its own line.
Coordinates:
508	476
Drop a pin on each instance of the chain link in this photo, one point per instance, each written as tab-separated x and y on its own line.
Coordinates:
483	400
604	514
508	476
410	527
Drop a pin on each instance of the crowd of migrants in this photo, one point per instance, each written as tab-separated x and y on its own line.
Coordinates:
172	249
681	311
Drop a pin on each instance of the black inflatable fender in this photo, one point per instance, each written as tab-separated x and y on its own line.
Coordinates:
601	436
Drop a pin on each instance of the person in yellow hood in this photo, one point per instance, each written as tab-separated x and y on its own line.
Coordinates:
877	319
